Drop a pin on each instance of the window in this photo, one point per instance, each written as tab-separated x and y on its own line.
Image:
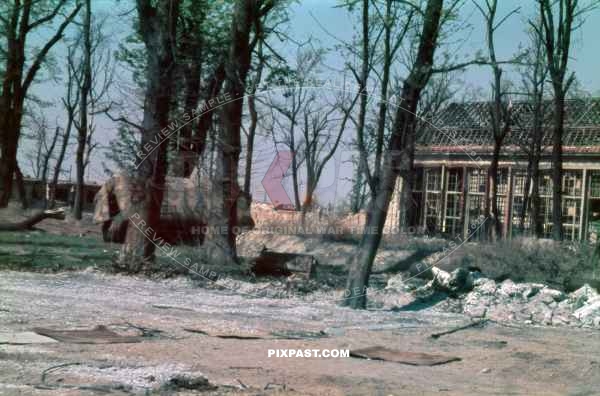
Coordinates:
519	184
545	185
502	181
546	216
434	179
453	205
477	179
433	205
455	180
501	203
572	182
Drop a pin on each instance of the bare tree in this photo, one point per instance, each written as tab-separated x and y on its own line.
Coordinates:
559	19
321	141
534	75
500	114
379	28
17	77
288	110
70	103
399	155
84	93
44	143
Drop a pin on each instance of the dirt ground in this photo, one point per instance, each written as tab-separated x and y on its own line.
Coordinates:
496	359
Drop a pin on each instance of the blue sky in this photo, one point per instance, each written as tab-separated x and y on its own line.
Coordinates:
308	18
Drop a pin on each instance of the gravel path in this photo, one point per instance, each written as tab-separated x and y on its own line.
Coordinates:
495	359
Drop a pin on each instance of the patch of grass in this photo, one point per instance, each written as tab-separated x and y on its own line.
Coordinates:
40	251
566	265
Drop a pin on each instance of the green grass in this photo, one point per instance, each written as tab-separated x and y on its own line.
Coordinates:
40	251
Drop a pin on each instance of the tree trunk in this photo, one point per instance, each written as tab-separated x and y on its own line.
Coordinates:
526	196
10	139
82	129
364	99
157	27
398	159
357	188
206	119
536	226
383	105
495	226
559	108
59	162
192	49
246	15
253	126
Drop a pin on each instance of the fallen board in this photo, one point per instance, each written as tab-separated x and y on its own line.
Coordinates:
97	335
258	334
271	263
411	358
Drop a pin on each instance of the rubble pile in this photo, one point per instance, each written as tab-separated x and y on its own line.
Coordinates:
506	301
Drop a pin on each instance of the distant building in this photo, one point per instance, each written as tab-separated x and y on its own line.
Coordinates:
37	191
452	159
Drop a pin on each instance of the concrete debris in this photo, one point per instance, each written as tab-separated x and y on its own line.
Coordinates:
459	280
154	379
189	382
478	297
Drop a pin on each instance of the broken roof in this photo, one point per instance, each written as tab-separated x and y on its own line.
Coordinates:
469	124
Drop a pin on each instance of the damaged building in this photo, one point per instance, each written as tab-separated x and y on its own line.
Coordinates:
453	155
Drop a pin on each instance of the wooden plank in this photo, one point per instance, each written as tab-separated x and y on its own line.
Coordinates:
410	358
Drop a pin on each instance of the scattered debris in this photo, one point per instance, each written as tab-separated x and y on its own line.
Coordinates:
189	382
479	323
273	386
23	338
147	332
502	302
411	358
98	335
53	368
459	280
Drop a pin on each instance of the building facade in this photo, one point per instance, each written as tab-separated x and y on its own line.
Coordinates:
453	155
